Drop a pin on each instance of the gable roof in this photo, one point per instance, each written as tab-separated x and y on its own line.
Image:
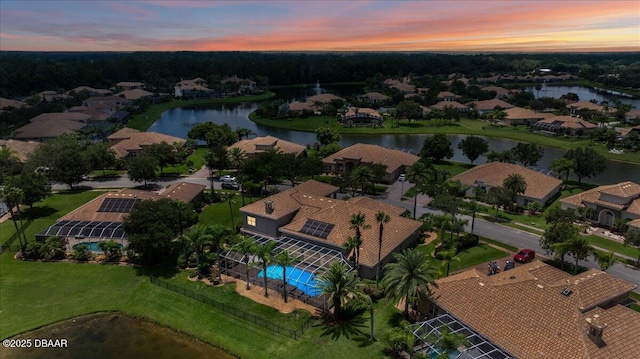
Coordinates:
367	153
183	191
375	96
493	174
625	189
134	94
442	105
519	113
22	149
567	122
324	98
133	140
48	129
526	315
89	211
261	144
489	105
5	103
65	116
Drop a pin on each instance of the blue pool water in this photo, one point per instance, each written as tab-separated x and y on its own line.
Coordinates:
93	247
453	355
302	280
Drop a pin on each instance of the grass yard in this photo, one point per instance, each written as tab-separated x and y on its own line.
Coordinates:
219	212
35	294
615	246
467	258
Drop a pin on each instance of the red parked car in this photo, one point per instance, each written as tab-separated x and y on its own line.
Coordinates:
524	256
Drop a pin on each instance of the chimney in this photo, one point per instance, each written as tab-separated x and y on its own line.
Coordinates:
268	206
596	328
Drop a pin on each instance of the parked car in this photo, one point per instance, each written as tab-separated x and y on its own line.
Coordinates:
524	256
509	265
401	178
227	178
230	185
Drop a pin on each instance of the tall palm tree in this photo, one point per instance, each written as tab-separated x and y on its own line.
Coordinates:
284	259
181	209
219	235
516	184
417	174
447	341
210	161
351	246
340	286
264	253
358	223
12	196
246	247
447	256
362	175
412	274
228	196
381	218
474	208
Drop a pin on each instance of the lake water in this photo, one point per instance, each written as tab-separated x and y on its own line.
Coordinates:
584	93
178	121
114	336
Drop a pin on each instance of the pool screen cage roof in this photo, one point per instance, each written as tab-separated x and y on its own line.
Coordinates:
479	347
85	229
308	257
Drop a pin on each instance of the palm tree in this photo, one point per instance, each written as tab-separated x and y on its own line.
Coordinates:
516	184
264	253
358	223
210	161
418	174
340	286
362	175
284	259
412	274
443	222
12	196
219	235
606	260
228	196
351	246
198	237
381	218
447	256
237	156
447	342
246	247
579	248
474	208
181	208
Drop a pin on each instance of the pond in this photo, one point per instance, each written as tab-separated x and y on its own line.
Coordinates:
584	94
112	336
178	121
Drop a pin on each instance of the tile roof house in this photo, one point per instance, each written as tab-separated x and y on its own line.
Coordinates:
184	191
237	85
487	106
49	96
374	97
443	105
576	107
535	311
448	96
561	124
620	200
90	90
345	160
362	116
540	188
134	94
130	142
196	88
500	91
95	114
22	149
6	103
401	85
324	98
262	144
313	103
292	212
523	116
107	104
129	85
48	126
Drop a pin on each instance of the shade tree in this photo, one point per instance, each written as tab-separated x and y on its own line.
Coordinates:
473	147
586	162
436	147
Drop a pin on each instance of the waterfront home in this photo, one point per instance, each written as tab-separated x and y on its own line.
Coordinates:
523	116
129	142
558	125
611	202
256	145
361	116
487	106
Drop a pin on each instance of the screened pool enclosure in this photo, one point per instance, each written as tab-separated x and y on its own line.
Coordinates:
309	261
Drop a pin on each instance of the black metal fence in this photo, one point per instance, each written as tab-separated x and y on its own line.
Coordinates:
274	327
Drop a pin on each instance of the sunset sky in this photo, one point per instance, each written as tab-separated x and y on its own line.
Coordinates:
305	25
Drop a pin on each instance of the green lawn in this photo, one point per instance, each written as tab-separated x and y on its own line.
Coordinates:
219	212
46	212
467	258
615	246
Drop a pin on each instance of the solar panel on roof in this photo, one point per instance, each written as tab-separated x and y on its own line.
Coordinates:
317	228
118	205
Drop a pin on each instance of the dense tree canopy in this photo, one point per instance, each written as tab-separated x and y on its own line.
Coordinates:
437	147
586	162
473	147
64	159
528	153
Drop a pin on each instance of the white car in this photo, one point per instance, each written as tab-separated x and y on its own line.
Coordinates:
401	178
227	178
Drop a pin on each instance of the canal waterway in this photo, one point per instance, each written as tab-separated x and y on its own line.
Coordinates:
178	121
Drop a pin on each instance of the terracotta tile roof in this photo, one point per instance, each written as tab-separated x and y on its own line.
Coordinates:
22	149
5	103
324	98
137	140
261	144
489	105
287	202
444	104
48	129
134	94
183	191
89	211
500	91
580	105
403	85
317	188
568	122
368	153
94	113
362	112
90	90
626	189
620	335
518	113
123	133
445	94
130	84
298	106
375	96
635	223
529	317
493	174
67	116
396	231
370	203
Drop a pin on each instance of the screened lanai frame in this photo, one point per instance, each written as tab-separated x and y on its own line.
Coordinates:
308	257
479	346
85	229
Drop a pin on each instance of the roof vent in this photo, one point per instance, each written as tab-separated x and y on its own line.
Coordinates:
595	330
567	292
512	277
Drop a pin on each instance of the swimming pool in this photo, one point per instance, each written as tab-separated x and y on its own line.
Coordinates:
435	354
299	278
93	246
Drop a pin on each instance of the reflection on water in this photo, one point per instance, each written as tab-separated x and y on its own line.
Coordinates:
114	336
